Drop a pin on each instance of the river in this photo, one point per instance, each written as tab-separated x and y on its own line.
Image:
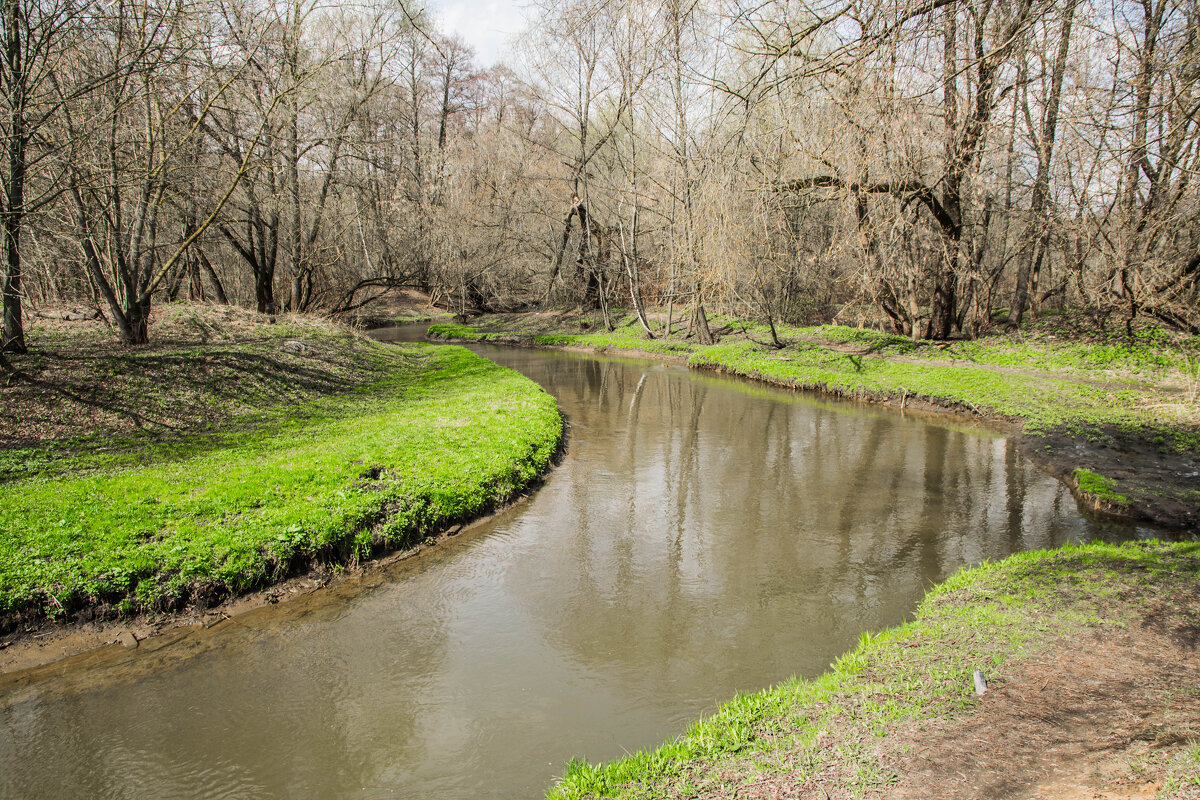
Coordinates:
702	536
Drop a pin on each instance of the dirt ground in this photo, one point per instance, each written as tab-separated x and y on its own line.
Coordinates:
397	306
1161	485
1098	717
1103	715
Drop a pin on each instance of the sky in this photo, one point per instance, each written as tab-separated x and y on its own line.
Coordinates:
486	25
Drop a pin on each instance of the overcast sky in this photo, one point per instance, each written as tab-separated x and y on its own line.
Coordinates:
486	25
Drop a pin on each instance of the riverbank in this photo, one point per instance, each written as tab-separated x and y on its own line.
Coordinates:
1117	420
233	454
1090	658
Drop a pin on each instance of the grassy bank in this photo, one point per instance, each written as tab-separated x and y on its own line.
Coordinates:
900	713
208	466
1125	412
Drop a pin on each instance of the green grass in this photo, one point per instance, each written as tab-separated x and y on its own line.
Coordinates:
938	372
195	398
445	436
871	340
1082	402
1096	485
1183	773
210	376
990	617
1151	354
1038	401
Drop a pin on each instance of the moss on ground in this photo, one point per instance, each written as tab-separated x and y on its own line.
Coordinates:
377	451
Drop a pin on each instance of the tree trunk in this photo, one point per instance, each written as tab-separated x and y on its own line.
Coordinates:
945	298
631	269
218	289
700	323
1029	271
195	284
294	194
264	292
943	305
587	262
135	323
13	338
14	330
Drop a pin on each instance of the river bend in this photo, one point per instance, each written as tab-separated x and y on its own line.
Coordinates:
702	536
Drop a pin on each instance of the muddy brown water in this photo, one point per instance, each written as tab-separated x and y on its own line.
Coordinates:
701	537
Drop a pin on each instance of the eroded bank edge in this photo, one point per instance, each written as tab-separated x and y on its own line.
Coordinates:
1095	498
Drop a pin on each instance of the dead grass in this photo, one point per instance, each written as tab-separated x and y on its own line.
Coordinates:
1100	715
205	367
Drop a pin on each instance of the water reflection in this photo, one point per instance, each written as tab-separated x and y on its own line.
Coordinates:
702	536
747	523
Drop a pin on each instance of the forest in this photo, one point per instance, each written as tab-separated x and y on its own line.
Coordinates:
934	168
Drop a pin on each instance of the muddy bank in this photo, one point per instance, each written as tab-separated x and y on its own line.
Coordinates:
1142	476
1160	486
43	641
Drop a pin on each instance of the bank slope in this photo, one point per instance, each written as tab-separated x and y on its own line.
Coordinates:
1065	638
1117	421
437	436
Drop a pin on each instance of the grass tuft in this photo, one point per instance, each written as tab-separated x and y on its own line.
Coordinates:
1096	485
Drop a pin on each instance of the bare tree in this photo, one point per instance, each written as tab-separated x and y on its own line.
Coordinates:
37	40
119	180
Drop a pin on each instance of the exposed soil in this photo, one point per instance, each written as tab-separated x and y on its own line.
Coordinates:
46	642
1102	714
1097	717
1162	485
396	307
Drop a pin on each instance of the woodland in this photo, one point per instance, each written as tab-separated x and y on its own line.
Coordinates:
935	168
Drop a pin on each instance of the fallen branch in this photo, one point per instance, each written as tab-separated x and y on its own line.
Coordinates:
769	345
69	316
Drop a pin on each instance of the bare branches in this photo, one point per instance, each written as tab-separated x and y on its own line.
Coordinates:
914	164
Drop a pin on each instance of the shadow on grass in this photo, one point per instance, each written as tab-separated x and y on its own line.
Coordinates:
105	404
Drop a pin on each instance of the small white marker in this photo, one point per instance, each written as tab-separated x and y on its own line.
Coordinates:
980	682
